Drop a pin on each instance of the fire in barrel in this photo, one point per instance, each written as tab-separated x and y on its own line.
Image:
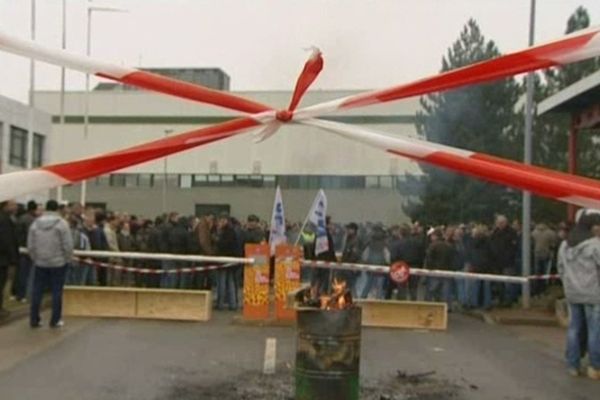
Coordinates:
328	346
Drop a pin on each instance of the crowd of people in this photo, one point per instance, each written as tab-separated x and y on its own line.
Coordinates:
473	247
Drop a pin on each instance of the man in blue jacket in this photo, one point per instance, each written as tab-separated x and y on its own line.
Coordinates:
50	246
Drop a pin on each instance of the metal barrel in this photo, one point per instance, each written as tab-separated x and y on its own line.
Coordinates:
328	354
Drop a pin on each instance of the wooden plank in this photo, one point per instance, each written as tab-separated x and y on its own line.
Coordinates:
92	301
88	301
404	314
183	305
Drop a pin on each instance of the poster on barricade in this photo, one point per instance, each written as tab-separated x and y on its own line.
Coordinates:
287	278
256	282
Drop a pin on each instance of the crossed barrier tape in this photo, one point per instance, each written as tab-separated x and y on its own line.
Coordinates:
428	272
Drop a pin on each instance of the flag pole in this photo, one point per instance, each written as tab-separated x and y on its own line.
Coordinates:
306	220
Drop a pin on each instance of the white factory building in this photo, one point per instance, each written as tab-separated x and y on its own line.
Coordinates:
235	175
24	134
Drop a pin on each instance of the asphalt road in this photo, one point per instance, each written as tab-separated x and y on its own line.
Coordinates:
120	359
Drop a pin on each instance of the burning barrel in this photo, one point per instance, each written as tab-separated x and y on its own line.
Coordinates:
328	353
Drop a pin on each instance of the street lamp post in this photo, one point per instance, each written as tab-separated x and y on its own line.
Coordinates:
86	106
59	190
526	226
31	127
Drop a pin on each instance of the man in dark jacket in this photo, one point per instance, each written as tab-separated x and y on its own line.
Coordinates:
168	280
351	254
20	284
253	233
503	253
478	260
180	243
226	247
97	240
414	256
9	247
440	255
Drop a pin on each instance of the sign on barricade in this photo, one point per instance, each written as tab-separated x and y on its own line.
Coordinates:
256	282
287	278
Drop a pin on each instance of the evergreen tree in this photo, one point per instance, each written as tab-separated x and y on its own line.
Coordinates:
478	118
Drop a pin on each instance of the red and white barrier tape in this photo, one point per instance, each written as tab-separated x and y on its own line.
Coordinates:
153	271
128	75
561	186
574	47
379	269
564	187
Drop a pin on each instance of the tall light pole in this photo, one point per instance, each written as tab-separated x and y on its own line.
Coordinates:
59	190
168	131
526	228
31	127
86	106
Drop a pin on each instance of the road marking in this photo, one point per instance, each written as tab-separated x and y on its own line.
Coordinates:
270	356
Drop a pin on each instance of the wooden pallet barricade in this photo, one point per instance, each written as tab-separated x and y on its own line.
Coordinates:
404	314
126	302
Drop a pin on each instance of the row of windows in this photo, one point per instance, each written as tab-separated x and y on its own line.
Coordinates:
186	181
17	154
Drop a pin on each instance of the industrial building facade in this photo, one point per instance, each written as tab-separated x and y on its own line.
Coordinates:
16	120
235	175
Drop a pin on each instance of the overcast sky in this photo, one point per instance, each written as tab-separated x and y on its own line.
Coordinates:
259	43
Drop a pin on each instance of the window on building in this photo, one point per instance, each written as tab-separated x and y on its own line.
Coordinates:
38	149
18	147
200	180
131	180
145	180
117	180
214	180
372	182
103	180
385	182
269	181
173	180
227	180
185	181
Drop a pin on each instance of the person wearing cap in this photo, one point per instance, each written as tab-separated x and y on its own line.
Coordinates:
579	268
253	233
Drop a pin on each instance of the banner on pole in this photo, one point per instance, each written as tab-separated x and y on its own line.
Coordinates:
317	215
277	233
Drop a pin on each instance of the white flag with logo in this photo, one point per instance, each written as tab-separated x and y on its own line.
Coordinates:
277	233
317	215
